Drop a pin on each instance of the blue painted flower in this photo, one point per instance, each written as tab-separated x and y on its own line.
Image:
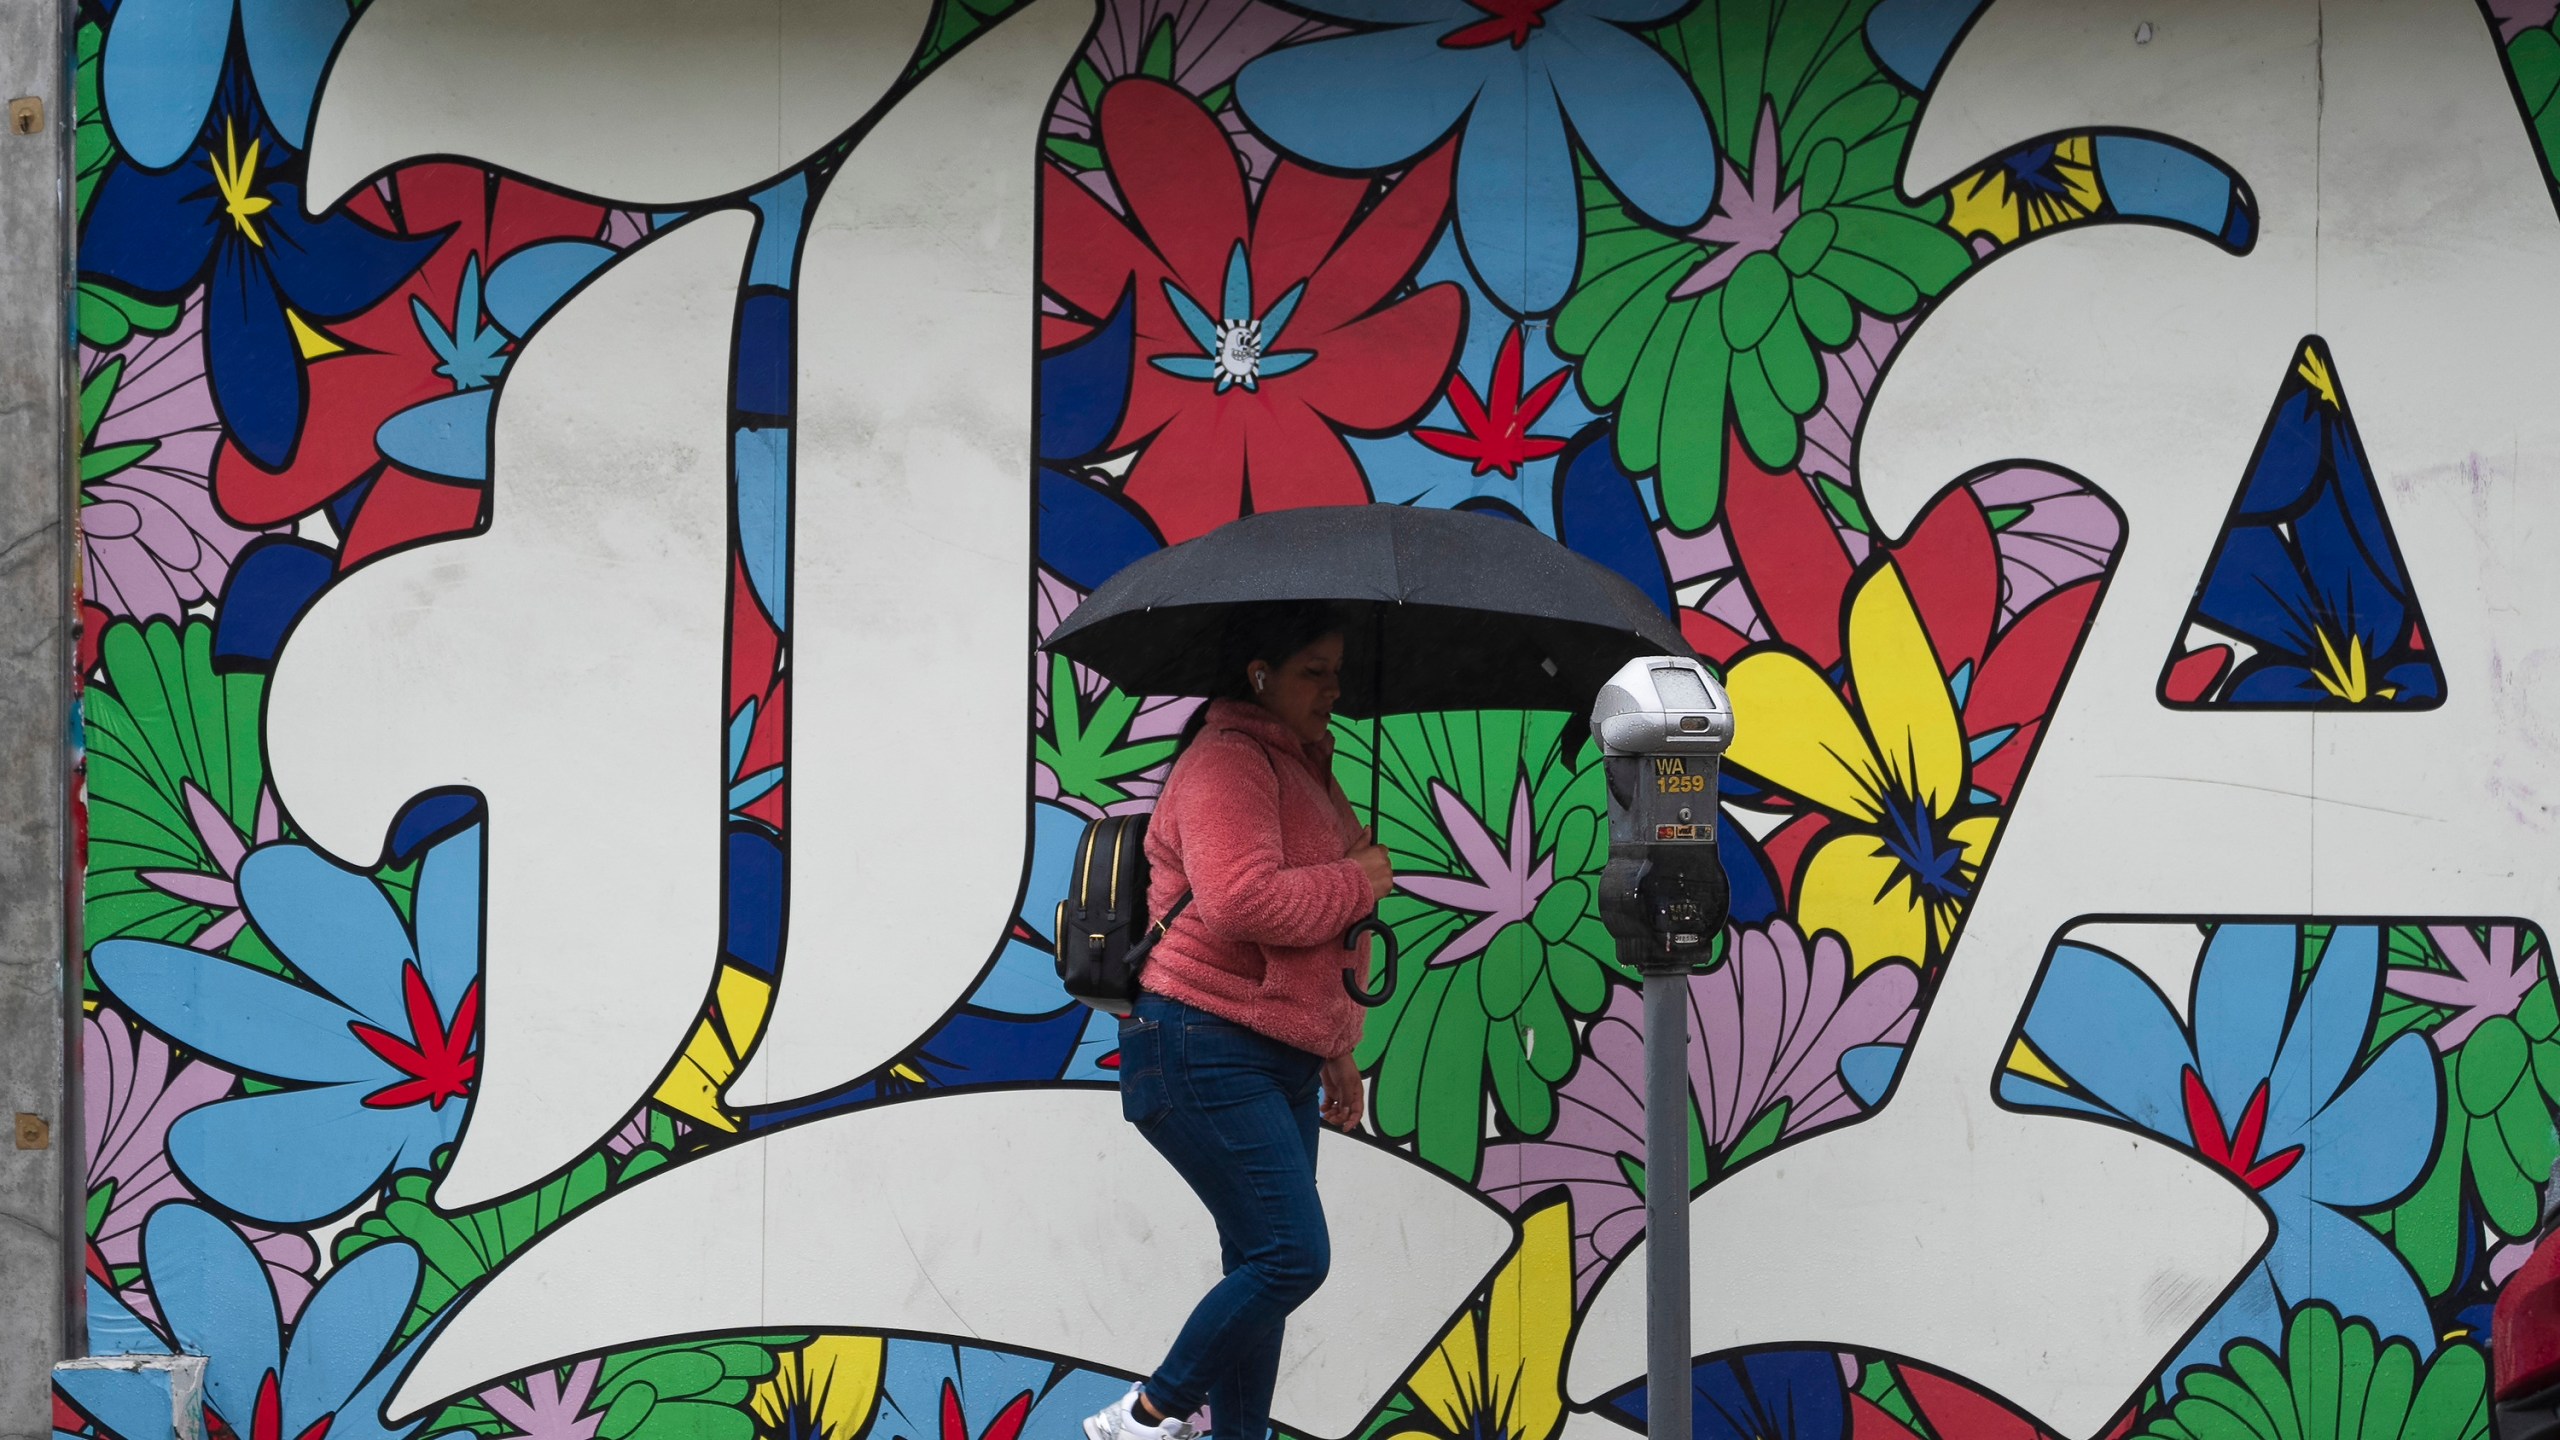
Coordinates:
214	1298
1511	76
271	268
1769	1395
952	1392
165	59
2265	1086
379	1046
2308	571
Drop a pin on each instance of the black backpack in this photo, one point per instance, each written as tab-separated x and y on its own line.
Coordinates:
1099	947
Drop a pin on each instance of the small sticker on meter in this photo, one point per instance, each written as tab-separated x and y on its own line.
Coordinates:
1680	832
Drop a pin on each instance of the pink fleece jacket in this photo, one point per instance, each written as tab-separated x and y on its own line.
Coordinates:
1252	823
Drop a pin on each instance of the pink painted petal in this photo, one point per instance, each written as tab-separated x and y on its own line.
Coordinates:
2433	986
222	839
219	933
2468	959
1475	844
270	821
215	890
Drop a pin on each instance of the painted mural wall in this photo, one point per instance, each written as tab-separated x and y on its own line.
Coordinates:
573	491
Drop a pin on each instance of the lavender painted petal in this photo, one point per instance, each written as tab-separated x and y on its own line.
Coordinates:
203	889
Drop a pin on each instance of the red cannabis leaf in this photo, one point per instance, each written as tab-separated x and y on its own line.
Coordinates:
439	1064
2235	1150
1511	20
1497	435
1006	1426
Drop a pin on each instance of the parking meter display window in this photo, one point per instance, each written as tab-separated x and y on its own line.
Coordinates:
1681	689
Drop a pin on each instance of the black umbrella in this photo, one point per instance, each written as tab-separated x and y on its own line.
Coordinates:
1454	612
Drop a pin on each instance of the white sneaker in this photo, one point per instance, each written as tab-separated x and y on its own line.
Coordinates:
1119	1421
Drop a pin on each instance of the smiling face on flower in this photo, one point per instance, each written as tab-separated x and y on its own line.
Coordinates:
1905	841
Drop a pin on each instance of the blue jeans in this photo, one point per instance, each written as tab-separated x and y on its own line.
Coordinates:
1235	1112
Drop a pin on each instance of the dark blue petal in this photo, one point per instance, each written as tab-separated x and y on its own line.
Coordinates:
2354	583
2255	591
754	937
1087	533
2276	682
429	818
151	231
2418	681
250	350
1773	1395
1747	874
1600	514
1084	387
764	354
2289	465
336	266
274	581
342	510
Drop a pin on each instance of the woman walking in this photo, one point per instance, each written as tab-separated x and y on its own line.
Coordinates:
1244	1018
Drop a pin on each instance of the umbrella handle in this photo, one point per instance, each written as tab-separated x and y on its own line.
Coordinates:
1351	940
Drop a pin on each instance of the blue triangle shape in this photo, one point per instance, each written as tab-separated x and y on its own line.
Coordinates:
2305	604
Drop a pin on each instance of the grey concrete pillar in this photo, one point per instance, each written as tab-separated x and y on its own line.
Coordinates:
39	1122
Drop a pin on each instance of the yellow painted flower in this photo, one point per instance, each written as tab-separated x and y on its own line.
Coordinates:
710	1058
825	1390
1499	1372
1894	873
2035	189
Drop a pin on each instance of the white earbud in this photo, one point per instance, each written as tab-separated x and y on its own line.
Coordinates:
1258	678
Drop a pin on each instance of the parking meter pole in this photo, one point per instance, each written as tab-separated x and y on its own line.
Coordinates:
1663	725
1666	1203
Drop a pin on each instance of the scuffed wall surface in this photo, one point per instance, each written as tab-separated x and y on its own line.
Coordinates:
574	490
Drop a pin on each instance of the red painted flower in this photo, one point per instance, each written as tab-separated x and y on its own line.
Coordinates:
1263	330
2235	1147
435	1063
1497	435
1955	1411
1006	1426
390	362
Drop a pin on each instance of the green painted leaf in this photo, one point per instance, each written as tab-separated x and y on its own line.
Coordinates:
1795	376
1883	291
1753	295
1157	62
1827	315
1767	425
1648	389
1844	503
159	720
1693	430
1077	154
1764	1132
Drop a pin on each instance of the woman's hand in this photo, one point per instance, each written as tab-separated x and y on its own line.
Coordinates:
1342	1103
1374	864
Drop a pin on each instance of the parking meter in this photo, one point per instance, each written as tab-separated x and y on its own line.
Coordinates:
1663	724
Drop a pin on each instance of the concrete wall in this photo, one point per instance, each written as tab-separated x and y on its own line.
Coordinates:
36	1300
576	490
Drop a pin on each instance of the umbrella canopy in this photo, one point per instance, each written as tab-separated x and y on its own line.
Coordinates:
1456	611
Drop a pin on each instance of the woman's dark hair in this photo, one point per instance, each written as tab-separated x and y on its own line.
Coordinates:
1266	633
